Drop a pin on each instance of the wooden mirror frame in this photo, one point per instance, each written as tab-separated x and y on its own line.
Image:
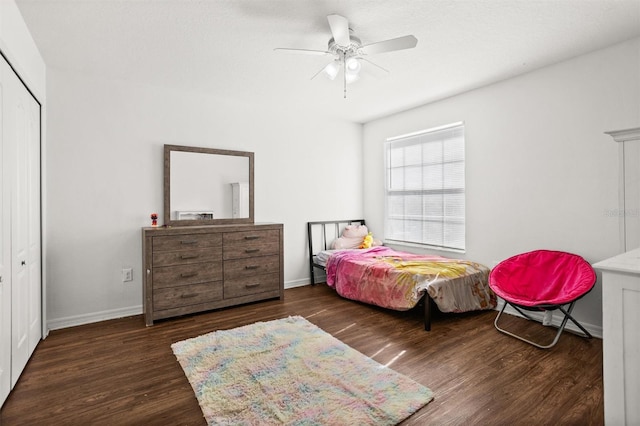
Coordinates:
168	149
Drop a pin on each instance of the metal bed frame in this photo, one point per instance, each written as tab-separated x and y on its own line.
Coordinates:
336	231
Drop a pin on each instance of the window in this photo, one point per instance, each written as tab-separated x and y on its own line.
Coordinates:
425	188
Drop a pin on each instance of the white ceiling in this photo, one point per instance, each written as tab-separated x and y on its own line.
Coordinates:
226	46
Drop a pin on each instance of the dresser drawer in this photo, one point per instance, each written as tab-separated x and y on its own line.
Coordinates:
184	257
186	242
256	237
251	285
251	249
174	297
239	268
171	276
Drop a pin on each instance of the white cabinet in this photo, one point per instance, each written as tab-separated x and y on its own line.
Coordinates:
621	339
20	239
629	186
621	294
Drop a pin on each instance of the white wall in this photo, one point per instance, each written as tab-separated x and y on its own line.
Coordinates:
104	174
18	47
540	172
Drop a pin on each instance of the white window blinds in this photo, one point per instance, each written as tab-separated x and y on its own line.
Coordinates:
425	202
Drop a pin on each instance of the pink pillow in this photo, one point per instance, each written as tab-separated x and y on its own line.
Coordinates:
351	238
355	231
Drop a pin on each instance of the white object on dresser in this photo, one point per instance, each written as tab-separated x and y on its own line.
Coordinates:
240	200
198	268
194	215
621	337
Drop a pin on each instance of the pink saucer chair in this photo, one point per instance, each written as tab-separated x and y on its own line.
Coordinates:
542	280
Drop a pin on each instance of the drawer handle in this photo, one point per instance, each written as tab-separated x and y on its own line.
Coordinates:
188	274
252	285
189	256
186	296
251	237
252	267
189	242
252	250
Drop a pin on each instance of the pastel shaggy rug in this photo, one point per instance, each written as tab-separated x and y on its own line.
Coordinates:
289	371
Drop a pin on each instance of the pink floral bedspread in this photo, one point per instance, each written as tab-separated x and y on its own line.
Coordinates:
397	280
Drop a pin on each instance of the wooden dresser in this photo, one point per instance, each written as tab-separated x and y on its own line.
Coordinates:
197	268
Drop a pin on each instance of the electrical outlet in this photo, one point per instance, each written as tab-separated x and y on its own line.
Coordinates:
127	274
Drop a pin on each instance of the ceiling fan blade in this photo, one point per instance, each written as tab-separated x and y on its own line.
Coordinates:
400	43
304	51
339	29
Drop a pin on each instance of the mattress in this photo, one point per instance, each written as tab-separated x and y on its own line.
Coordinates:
397	280
322	257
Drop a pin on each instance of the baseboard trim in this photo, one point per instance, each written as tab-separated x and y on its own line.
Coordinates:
72	321
296	283
596	331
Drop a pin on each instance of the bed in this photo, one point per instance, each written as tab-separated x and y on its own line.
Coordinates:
394	279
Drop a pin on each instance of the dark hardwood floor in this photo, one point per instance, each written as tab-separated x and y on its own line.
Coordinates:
120	372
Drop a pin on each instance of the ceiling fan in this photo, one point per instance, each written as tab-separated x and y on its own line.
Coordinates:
349	51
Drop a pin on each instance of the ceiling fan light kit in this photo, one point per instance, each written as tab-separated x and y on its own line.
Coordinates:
353	65
350	52
332	69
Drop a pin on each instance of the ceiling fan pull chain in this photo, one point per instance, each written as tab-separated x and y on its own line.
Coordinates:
344	77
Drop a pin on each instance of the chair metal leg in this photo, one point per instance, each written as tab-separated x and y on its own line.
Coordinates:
567	316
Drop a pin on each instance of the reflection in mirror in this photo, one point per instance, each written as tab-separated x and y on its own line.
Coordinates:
202	186
207	186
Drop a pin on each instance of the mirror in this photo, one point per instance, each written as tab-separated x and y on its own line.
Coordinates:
206	186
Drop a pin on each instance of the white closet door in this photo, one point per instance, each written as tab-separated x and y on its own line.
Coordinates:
21	136
29	206
14	114
5	255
